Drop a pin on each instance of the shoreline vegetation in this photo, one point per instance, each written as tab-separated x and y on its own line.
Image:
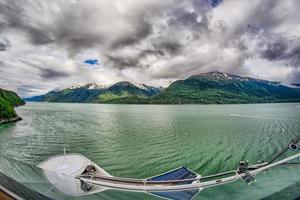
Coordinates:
6	121
206	88
9	100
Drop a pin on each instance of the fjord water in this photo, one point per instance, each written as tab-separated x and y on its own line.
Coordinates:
143	140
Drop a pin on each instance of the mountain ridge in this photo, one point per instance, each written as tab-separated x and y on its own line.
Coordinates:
206	88
95	93
222	88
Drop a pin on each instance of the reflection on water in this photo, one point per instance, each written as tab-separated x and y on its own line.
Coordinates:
141	141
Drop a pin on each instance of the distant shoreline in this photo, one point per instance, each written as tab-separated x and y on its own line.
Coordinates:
174	104
6	121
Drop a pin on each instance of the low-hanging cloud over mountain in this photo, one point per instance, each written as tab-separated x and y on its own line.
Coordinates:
44	44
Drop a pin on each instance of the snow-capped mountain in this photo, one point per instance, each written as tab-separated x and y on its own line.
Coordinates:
90	86
94	92
206	88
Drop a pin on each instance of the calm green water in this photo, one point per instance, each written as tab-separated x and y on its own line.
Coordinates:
144	140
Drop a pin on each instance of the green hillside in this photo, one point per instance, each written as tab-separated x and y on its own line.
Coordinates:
120	92
8	100
221	88
125	92
206	88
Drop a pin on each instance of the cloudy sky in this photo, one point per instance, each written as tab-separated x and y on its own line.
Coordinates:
46	45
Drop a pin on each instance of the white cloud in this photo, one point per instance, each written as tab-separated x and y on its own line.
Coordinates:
264	69
43	44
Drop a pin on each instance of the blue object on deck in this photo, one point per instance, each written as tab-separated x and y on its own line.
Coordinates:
176	174
177	195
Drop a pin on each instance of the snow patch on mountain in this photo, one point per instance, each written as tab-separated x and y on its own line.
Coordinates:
90	86
77	86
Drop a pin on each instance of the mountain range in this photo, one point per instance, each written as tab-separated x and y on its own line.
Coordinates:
206	88
95	93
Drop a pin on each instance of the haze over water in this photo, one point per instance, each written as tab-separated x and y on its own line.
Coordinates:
144	140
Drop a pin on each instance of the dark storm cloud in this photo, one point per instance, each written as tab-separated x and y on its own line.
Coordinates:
158	50
134	61
294	76
52	74
170	47
65	29
194	18
45	71
4	44
184	19
30	88
189	26
72	26
143	30
282	49
1	66
71	31
294	56
42	33
147	52
201	4
38	36
275	51
12	13
17	17
123	62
